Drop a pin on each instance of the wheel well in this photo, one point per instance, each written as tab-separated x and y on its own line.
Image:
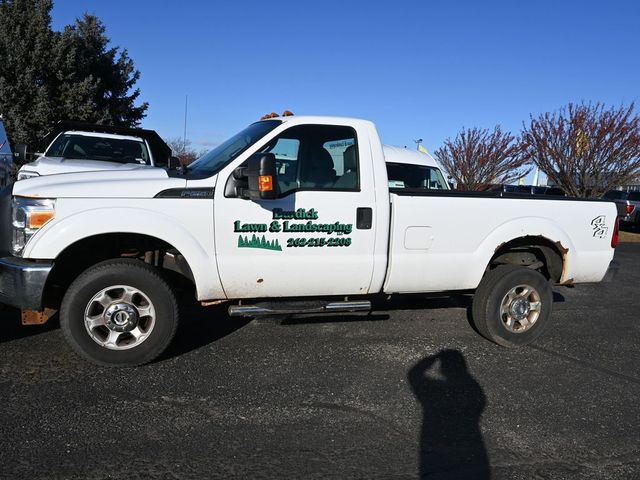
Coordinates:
84	253
537	253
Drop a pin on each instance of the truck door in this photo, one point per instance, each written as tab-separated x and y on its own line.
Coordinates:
317	237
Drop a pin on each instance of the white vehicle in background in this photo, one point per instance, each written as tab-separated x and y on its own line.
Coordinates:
82	147
413	169
291	215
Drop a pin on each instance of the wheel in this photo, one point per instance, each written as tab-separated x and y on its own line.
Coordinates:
512	305
119	313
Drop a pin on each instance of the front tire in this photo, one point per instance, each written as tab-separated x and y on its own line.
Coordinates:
119	313
512	305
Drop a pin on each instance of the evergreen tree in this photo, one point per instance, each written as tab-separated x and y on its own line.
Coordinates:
46	76
26	82
93	80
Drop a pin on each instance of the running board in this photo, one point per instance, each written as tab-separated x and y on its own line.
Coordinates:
332	307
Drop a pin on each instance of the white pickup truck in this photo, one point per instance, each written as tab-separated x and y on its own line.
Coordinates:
85	147
291	215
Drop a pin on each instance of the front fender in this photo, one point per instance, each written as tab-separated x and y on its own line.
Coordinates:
178	230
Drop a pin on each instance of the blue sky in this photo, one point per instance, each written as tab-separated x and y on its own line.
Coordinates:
420	69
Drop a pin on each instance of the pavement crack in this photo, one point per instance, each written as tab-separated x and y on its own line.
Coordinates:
590	365
359	411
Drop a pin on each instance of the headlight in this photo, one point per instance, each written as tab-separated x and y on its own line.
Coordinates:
26	174
28	215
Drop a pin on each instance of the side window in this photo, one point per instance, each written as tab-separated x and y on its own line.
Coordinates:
316	157
286	152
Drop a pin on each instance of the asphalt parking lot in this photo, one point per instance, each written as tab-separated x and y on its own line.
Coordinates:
407	390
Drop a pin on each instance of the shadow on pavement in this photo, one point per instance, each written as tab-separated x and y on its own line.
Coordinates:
451	444
200	326
12	329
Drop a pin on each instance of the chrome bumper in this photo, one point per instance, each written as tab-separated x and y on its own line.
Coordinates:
22	282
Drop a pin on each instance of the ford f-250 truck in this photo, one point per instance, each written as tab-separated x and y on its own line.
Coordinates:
289	209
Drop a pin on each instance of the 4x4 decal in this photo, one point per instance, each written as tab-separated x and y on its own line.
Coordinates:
600	228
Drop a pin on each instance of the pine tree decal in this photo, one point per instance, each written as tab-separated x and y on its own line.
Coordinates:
261	243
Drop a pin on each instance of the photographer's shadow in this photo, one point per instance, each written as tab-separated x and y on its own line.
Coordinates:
451	444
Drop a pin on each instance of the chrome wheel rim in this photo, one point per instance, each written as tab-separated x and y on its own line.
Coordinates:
119	317
520	308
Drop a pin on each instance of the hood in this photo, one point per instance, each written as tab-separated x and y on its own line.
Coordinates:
55	165
136	182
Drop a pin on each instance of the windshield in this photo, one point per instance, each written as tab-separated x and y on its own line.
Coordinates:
215	160
73	146
403	175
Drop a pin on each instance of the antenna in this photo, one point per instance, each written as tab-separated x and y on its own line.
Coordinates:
418	143
184	138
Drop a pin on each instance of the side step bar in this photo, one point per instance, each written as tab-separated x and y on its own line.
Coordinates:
332	307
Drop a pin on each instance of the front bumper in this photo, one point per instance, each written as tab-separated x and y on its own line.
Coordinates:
612	271
22	282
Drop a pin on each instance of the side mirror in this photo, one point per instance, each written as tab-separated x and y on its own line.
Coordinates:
174	162
262	176
20	153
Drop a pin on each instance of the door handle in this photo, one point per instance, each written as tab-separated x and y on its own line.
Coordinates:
364	218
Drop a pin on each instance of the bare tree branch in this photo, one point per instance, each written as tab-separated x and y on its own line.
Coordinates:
477	157
184	151
585	148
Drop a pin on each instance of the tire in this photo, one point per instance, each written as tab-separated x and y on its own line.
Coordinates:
119	313
505	312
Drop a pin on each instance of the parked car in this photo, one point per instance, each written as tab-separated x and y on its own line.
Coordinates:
6	157
84	147
528	190
323	234
629	203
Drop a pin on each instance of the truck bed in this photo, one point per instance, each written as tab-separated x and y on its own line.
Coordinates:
456	234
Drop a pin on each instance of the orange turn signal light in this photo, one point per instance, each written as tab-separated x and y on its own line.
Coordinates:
38	219
265	183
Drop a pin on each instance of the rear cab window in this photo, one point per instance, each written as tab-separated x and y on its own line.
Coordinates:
404	175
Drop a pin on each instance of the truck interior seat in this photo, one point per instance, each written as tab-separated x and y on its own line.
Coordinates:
319	170
349	178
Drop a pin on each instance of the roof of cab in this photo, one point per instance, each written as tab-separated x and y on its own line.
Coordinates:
405	155
103	135
297	119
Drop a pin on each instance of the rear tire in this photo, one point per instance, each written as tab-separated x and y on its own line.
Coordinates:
119	313
512	305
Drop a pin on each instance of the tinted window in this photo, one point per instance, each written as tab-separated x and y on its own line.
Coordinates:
555	191
634	196
84	147
403	175
615	195
316	157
